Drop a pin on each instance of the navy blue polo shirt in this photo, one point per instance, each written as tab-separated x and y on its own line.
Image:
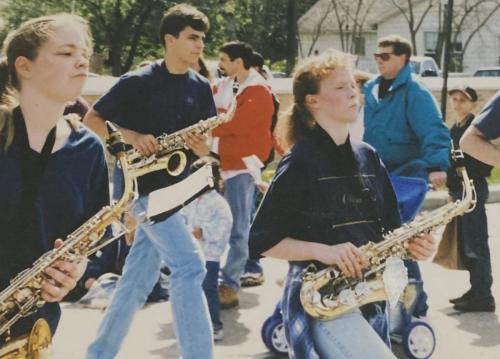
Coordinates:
73	187
153	101
328	194
488	120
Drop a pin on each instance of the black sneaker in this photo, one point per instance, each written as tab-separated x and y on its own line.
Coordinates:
462	298
476	304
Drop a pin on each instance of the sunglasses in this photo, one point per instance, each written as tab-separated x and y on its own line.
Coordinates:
384	56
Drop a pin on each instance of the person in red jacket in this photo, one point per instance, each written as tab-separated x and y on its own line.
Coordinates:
242	144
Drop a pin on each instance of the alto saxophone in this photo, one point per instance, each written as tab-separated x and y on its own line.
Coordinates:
23	296
170	154
328	293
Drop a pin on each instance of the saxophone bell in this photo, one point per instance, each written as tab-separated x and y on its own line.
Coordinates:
34	345
176	163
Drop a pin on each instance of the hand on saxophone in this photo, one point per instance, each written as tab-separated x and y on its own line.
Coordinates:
147	145
437	179
62	278
198	143
422	246
346	256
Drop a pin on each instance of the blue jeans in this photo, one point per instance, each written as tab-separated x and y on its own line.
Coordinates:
171	242
210	288
253	266
348	336
239	194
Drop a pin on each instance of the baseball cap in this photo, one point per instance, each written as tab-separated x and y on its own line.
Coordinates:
468	91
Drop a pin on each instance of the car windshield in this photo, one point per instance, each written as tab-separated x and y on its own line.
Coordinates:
416	67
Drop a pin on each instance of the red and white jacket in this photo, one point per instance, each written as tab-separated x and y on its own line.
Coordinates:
249	132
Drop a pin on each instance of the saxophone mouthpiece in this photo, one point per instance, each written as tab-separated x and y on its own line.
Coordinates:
115	142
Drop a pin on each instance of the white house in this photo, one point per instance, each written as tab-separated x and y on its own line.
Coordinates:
379	18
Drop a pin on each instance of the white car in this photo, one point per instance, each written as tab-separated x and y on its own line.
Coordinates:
488	72
424	66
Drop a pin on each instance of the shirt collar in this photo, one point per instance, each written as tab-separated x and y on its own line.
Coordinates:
326	143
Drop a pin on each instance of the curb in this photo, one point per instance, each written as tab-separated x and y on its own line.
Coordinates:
435	199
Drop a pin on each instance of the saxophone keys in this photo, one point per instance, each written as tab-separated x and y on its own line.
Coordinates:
347	297
330	302
363	289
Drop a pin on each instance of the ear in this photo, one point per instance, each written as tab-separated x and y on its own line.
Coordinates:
311	102
168	39
239	62
23	67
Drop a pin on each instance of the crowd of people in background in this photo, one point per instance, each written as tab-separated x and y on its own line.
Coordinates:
344	137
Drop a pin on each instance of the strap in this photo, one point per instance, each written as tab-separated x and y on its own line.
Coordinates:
32	170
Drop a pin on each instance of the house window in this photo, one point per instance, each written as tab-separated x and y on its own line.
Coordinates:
456	45
359	45
430	41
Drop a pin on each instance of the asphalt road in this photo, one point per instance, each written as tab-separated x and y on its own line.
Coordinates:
459	335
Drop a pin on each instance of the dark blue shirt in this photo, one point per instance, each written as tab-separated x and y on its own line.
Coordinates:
73	187
488	120
153	101
328	194
475	168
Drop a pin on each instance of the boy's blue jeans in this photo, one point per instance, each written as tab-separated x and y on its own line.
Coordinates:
171	242
239	194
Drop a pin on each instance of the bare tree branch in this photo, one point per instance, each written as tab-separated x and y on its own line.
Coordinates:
317	31
481	24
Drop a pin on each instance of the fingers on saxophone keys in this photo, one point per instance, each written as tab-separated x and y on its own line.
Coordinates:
62	274
152	144
51	293
70	269
351	260
147	145
422	246
359	261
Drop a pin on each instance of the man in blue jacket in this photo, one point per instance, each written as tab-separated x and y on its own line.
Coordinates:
402	118
404	124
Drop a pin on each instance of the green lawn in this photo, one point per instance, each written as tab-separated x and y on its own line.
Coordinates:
495	176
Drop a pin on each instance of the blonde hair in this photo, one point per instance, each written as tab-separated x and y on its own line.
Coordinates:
298	120
25	41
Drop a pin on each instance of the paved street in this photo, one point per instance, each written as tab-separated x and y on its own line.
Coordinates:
459	336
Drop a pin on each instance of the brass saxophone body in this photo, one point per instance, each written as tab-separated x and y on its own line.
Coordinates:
328	293
171	155
23	296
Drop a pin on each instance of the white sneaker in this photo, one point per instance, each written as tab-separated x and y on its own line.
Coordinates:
249	279
218	335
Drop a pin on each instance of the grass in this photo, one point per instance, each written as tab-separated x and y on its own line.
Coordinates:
495	176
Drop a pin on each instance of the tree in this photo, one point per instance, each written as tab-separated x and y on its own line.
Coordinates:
126	31
351	28
121	28
349	20
318	28
292	35
474	15
410	17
